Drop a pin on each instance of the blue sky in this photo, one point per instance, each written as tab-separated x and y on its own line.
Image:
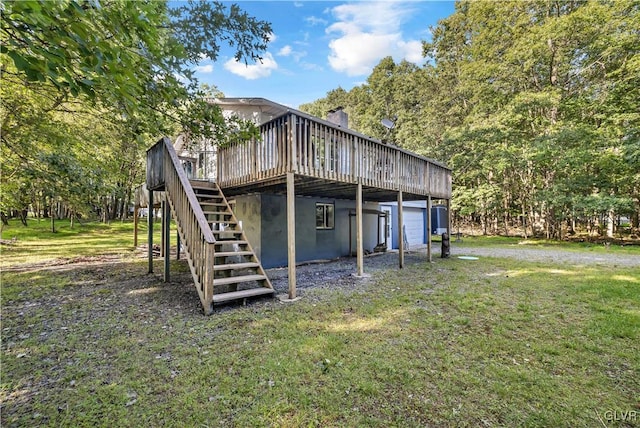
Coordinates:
321	45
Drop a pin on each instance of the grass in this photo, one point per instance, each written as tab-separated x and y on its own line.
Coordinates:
495	342
36	242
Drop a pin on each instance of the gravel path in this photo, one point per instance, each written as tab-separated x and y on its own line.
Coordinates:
339	273
550	255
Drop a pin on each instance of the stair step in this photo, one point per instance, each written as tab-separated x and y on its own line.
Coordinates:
201	185
229	231
230	241
206	193
232	253
236	266
237	279
221	221
212	204
227	213
243	294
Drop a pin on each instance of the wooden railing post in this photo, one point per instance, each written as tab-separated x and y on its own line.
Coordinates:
397	178
292	141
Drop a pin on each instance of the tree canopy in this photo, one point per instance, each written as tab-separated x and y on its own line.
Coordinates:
535	105
86	85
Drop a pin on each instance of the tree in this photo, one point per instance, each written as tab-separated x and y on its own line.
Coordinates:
132	57
86	85
534	105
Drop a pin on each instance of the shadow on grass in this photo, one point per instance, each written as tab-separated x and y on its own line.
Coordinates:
500	343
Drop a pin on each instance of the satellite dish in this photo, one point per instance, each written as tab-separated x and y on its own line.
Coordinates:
388	123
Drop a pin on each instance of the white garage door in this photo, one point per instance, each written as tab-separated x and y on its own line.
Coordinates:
414	225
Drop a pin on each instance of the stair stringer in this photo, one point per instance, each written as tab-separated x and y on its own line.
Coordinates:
260	269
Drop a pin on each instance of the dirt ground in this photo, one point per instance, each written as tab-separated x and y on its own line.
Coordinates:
123	278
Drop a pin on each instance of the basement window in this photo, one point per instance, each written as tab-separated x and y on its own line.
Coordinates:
324	216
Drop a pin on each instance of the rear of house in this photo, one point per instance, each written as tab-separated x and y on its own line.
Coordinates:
306	189
325	222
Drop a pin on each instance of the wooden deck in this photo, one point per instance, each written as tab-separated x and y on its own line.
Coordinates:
296	155
328	161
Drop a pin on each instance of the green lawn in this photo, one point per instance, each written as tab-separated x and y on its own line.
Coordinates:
36	242
493	342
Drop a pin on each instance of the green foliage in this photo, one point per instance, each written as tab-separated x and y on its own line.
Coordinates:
86	85
534	105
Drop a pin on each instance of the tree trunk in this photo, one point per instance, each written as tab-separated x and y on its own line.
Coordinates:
610	224
23	217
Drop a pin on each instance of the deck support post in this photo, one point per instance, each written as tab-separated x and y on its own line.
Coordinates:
428	226
449	218
135	226
150	230
359	245
400	232
291	233
177	245
162	229
166	223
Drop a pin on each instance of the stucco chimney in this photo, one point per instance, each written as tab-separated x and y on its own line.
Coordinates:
339	117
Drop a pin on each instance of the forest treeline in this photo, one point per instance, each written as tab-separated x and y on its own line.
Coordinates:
87	86
535	105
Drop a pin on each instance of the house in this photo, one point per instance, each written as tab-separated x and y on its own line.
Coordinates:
415	219
308	189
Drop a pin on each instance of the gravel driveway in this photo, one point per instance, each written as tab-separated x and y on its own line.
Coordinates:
339	272
549	255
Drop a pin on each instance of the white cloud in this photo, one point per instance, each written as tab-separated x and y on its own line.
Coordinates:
364	33
310	66
412	51
358	53
252	71
313	21
285	51
207	68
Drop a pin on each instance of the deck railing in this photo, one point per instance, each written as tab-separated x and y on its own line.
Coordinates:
318	149
164	170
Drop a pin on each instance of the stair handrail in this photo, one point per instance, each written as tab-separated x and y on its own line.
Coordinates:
172	156
166	173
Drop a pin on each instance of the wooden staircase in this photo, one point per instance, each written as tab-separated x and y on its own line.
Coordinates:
222	262
237	272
